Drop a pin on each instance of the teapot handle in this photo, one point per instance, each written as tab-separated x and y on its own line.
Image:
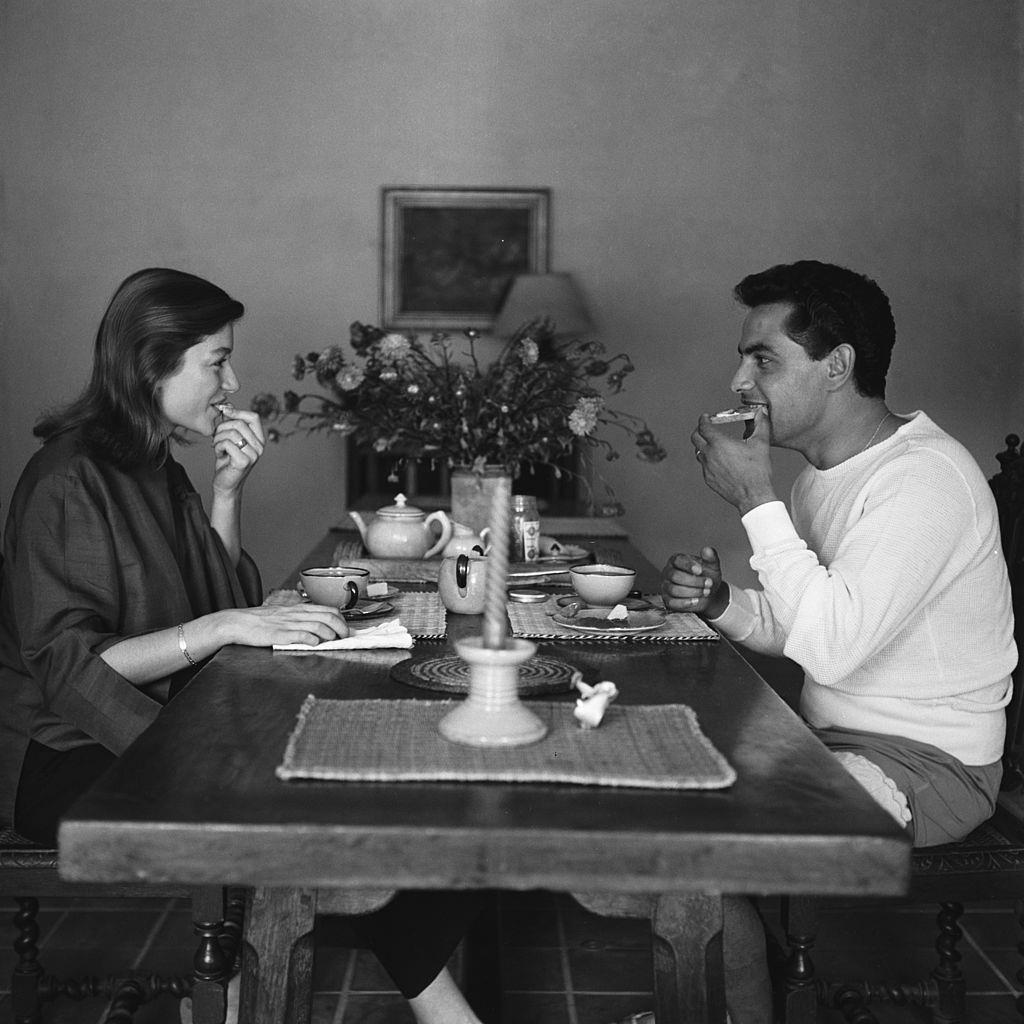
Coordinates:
446	532
485	540
462	574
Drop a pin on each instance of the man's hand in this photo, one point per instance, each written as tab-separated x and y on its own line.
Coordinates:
738	469
693	583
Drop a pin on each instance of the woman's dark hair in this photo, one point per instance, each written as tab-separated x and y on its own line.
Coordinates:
155	316
831	305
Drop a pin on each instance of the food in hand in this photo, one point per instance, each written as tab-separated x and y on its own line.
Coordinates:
742	412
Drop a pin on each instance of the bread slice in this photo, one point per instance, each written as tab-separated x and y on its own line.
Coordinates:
743	412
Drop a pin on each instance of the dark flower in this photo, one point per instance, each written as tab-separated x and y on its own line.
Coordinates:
266	405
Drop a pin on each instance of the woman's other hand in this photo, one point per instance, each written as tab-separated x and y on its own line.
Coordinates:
238	443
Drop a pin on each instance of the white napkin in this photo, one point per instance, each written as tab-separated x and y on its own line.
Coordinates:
389	633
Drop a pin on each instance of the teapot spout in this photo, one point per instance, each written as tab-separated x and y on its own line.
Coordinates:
360	525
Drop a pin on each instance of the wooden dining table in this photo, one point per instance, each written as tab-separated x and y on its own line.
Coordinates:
196	800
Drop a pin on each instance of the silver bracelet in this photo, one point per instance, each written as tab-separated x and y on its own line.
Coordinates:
182	646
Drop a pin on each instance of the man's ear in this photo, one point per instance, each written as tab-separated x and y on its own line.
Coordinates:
839	366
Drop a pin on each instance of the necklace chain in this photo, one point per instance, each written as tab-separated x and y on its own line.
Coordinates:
871	439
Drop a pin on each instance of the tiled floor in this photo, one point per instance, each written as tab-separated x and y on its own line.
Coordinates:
561	965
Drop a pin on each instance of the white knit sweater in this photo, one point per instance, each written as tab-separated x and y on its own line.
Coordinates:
888	587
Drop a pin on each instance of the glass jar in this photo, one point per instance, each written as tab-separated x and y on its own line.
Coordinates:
525	546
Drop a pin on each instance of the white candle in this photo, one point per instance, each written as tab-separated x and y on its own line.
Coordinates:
495	629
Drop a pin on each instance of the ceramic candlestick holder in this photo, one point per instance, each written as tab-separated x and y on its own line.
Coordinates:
492	715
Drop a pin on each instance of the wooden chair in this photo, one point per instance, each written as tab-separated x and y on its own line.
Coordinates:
986	865
26	868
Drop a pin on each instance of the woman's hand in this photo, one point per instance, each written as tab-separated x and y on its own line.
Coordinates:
281	624
141	659
238	443
693	583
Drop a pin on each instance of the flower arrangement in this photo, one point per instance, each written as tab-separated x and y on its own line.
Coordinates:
423	399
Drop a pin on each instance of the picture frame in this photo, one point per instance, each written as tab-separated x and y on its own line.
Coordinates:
448	255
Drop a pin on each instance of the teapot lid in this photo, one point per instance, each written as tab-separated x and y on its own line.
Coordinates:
400	510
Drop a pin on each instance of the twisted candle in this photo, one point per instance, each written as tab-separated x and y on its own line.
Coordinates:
495	628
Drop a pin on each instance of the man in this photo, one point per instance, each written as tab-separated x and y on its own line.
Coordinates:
885	579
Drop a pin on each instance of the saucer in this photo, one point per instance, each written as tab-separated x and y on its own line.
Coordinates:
369	609
633	604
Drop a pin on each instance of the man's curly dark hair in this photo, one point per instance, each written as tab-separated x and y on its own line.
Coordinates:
831	305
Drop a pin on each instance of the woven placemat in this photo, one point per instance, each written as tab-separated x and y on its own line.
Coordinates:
534	622
421	612
651	747
394	570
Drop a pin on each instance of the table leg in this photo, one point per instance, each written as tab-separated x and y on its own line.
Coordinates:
277	962
689	974
686	934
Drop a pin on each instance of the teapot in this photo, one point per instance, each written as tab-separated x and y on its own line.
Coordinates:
465	542
402	531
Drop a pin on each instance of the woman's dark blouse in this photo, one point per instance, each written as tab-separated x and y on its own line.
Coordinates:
94	554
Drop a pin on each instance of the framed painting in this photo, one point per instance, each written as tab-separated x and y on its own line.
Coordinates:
448	255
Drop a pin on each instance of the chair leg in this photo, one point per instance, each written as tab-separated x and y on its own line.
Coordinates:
949	979
212	963
800	922
28	972
1019	908
851	1003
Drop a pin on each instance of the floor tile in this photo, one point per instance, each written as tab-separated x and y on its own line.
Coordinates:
607	1009
611	970
533	1008
532	970
362	1008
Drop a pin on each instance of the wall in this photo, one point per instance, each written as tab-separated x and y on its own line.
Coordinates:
686	145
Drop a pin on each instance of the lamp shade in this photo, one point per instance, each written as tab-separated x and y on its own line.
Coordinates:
533	296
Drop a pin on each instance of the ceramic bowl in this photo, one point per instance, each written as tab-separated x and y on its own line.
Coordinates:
602	584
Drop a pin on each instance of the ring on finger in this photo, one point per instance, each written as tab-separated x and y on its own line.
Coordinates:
699	454
241	444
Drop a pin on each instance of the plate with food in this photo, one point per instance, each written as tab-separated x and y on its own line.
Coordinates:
571	553
604	621
554	550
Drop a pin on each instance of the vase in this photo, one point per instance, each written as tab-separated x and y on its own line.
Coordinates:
472	494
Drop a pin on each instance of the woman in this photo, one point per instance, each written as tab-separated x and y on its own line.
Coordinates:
116	585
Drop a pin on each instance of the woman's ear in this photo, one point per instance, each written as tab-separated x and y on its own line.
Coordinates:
839	366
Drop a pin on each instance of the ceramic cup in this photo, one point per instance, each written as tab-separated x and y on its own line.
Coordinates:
462	584
602	584
338	586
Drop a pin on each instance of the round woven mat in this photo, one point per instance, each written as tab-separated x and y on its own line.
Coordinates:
450	674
